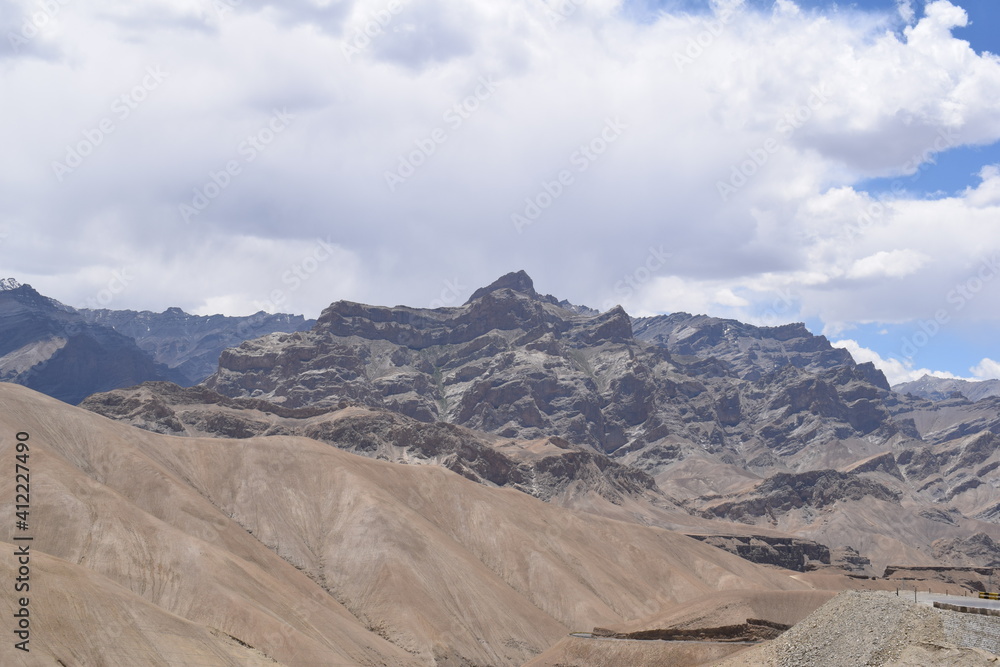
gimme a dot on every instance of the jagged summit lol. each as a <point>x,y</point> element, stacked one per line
<point>27,295</point>
<point>519,281</point>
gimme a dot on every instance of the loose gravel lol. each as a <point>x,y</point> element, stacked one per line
<point>874,629</point>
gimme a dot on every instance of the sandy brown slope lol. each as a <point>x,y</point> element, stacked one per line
<point>575,651</point>
<point>120,627</point>
<point>102,504</point>
<point>313,555</point>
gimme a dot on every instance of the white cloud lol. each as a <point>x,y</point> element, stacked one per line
<point>789,108</point>
<point>786,8</point>
<point>905,8</point>
<point>896,371</point>
<point>892,264</point>
<point>987,193</point>
<point>987,369</point>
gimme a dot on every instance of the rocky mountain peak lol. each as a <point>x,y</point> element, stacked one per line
<point>519,281</point>
<point>28,296</point>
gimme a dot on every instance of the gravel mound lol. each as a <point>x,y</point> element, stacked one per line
<point>865,628</point>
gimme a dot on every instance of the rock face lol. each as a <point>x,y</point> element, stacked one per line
<point>191,344</point>
<point>978,548</point>
<point>788,553</point>
<point>785,492</point>
<point>751,352</point>
<point>48,347</point>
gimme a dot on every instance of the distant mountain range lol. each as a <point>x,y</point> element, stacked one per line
<point>70,354</point>
<point>191,344</point>
<point>940,389</point>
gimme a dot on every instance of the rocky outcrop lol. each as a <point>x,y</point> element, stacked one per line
<point>885,463</point>
<point>848,558</point>
<point>789,553</point>
<point>784,492</point>
<point>754,630</point>
<point>979,548</point>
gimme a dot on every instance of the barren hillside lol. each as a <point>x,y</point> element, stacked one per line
<point>311,555</point>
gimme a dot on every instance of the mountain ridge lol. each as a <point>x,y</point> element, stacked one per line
<point>728,419</point>
<point>941,389</point>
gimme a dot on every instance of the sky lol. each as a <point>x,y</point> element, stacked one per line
<point>768,161</point>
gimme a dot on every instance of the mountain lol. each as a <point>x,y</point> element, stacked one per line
<point>49,347</point>
<point>518,365</point>
<point>720,429</point>
<point>191,344</point>
<point>150,549</point>
<point>940,389</point>
<point>750,352</point>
